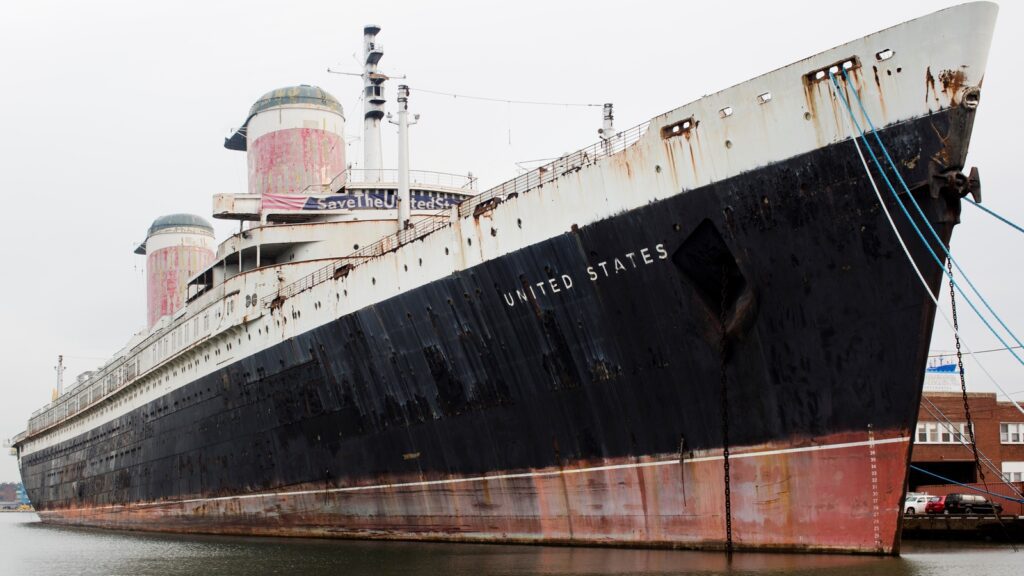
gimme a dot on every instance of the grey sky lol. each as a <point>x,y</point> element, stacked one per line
<point>114,113</point>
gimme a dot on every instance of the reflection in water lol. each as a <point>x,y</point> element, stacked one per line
<point>31,548</point>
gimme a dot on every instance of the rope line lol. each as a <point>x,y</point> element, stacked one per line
<point>920,212</point>
<point>899,202</point>
<point>941,417</point>
<point>506,100</point>
<point>993,213</point>
<point>1004,349</point>
<point>910,258</point>
<point>969,487</point>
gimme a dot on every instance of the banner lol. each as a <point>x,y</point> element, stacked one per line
<point>360,200</point>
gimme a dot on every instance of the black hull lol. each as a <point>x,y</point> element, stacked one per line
<point>826,332</point>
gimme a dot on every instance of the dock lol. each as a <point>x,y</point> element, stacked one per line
<point>963,527</point>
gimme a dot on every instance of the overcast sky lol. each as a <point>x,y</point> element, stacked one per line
<point>114,113</point>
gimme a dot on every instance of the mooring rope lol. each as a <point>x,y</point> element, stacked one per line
<point>906,250</point>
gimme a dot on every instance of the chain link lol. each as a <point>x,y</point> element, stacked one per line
<point>967,407</point>
<point>960,367</point>
<point>725,414</point>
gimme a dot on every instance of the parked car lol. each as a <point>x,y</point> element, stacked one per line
<point>915,503</point>
<point>936,505</point>
<point>970,504</point>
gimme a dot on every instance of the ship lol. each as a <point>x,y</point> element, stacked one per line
<point>699,332</point>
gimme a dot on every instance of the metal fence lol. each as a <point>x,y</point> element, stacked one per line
<point>95,388</point>
<point>340,267</point>
<point>520,185</point>
<point>553,170</point>
<point>390,176</point>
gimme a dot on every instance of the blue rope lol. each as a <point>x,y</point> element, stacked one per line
<point>924,218</point>
<point>1005,221</point>
<point>948,481</point>
<point>917,229</point>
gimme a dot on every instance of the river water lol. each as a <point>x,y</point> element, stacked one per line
<point>30,548</point>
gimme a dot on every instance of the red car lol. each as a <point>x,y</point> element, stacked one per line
<point>935,505</point>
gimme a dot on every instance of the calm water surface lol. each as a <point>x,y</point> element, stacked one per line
<point>31,549</point>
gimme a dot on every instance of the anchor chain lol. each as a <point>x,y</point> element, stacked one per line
<point>725,414</point>
<point>967,407</point>
<point>960,367</point>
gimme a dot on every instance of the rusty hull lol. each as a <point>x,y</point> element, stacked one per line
<point>839,493</point>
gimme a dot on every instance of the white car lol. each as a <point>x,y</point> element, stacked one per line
<point>915,503</point>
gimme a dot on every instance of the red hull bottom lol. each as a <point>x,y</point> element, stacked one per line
<point>836,493</point>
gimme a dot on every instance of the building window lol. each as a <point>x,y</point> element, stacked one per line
<point>942,433</point>
<point>1013,471</point>
<point>1011,432</point>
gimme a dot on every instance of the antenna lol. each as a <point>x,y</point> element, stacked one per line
<point>404,196</point>
<point>60,376</point>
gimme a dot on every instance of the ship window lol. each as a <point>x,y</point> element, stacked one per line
<point>884,55</point>
<point>679,128</point>
<point>764,98</point>
<point>725,112</point>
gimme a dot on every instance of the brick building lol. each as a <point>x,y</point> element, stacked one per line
<point>942,443</point>
<point>8,492</point>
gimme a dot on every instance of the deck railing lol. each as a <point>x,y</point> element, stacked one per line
<point>522,184</point>
<point>465,182</point>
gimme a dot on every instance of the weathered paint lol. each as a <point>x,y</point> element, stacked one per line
<point>589,375</point>
<point>813,496</point>
<point>290,160</point>
<point>413,365</point>
<point>173,256</point>
<point>294,144</point>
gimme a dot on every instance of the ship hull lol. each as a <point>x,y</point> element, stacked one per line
<point>572,391</point>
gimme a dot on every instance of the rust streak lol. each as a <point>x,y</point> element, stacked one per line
<point>929,82</point>
<point>952,81</point>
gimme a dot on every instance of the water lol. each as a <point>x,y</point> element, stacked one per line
<point>30,548</point>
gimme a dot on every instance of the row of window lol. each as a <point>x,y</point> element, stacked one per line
<point>942,433</point>
<point>956,433</point>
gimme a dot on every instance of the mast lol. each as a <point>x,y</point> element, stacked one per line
<point>404,195</point>
<point>607,130</point>
<point>608,126</point>
<point>373,104</point>
<point>60,377</point>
